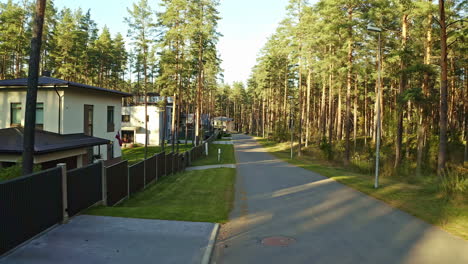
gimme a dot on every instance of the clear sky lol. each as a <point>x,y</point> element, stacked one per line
<point>245,24</point>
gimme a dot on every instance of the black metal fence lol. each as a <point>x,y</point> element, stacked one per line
<point>28,206</point>
<point>33,203</point>
<point>136,174</point>
<point>161,162</point>
<point>84,187</point>
<point>168,164</point>
<point>150,169</point>
<point>117,182</point>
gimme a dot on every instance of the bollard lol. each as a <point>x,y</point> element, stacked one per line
<point>219,155</point>
<point>63,167</point>
<point>206,148</point>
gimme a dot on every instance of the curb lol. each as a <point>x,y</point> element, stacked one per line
<point>209,248</point>
<point>209,167</point>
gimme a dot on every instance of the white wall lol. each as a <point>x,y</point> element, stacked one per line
<point>73,115</point>
<point>46,96</point>
<point>137,119</point>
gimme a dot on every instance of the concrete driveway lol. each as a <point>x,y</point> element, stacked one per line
<point>113,240</point>
<point>286,214</point>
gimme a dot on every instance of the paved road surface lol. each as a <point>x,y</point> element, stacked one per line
<point>90,239</point>
<point>330,222</point>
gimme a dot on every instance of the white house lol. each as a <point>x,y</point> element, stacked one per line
<point>224,123</point>
<point>66,108</point>
<point>133,120</point>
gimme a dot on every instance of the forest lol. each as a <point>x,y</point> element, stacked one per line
<point>169,48</point>
<point>321,74</point>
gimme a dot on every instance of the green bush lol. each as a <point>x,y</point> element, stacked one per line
<point>326,148</point>
<point>454,181</point>
<point>10,172</point>
<point>14,171</point>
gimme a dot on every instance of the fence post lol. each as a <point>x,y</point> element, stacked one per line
<point>103,182</point>
<point>144,173</point>
<point>63,168</point>
<point>128,182</point>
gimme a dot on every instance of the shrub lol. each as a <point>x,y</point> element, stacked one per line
<point>454,181</point>
<point>14,171</point>
<point>326,148</point>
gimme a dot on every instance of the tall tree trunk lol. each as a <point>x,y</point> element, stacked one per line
<point>355,120</point>
<point>365,130</point>
<point>401,89</point>
<point>199,93</point>
<point>323,114</point>
<point>301,114</point>
<point>348,87</point>
<point>339,122</point>
<point>33,79</point>
<point>145,52</point>
<point>309,76</point>
<point>425,87</point>
<point>330,107</point>
<point>442,155</point>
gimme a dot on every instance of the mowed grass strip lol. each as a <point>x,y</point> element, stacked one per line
<point>197,196</point>
<point>134,155</point>
<point>422,200</point>
<point>227,155</point>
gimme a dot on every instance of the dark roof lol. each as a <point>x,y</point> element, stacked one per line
<point>11,141</point>
<point>49,81</point>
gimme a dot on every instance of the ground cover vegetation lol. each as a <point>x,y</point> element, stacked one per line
<point>226,157</point>
<point>137,154</point>
<point>197,196</point>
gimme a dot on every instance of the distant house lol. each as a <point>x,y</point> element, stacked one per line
<point>133,119</point>
<point>224,123</point>
<point>67,108</point>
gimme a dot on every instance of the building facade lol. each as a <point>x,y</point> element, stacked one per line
<point>159,120</point>
<point>65,108</point>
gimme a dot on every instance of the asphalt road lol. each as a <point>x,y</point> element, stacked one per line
<point>89,239</point>
<point>329,222</point>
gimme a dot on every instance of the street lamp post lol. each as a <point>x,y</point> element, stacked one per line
<point>291,119</point>
<point>373,28</point>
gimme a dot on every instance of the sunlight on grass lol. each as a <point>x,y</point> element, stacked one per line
<point>134,155</point>
<point>197,196</point>
<point>422,200</point>
<point>227,155</point>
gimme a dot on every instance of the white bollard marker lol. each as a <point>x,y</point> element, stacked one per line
<point>219,155</point>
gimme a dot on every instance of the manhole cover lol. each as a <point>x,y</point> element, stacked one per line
<point>278,241</point>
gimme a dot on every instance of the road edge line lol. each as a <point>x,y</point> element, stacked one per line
<point>209,248</point>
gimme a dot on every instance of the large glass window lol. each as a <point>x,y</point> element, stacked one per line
<point>40,115</point>
<point>110,119</point>
<point>15,110</point>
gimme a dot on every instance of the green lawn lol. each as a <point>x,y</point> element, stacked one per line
<point>422,199</point>
<point>134,155</point>
<point>227,155</point>
<point>198,196</point>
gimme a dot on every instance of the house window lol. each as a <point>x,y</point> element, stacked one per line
<point>40,116</point>
<point>110,119</point>
<point>125,118</point>
<point>15,110</point>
